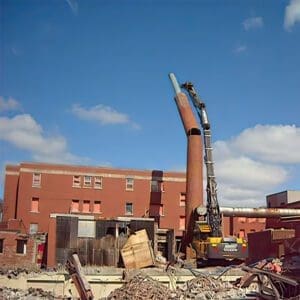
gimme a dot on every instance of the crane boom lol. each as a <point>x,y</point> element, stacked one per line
<point>212,205</point>
<point>208,241</point>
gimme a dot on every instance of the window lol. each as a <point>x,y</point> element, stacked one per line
<point>97,207</point>
<point>182,223</point>
<point>35,204</point>
<point>86,228</point>
<point>129,184</point>
<point>21,246</point>
<point>86,206</point>
<point>182,199</point>
<point>33,228</point>
<point>1,245</point>
<point>75,206</point>
<point>157,186</point>
<point>36,179</point>
<point>87,181</point>
<point>129,208</point>
<point>76,181</point>
<point>98,182</point>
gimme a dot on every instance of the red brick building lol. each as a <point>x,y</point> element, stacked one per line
<point>19,249</point>
<point>34,191</point>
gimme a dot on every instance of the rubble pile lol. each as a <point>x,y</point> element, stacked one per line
<point>202,287</point>
<point>16,272</point>
<point>141,287</point>
<point>31,293</point>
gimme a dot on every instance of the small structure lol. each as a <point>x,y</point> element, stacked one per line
<point>96,241</point>
<point>19,249</point>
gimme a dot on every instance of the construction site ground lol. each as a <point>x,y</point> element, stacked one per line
<point>167,282</point>
<point>21,284</point>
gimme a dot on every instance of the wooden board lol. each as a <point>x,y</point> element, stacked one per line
<point>137,252</point>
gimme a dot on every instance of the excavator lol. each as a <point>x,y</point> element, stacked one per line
<point>206,239</point>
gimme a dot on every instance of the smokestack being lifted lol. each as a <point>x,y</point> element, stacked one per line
<point>194,175</point>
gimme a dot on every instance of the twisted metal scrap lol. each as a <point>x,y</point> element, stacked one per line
<point>141,287</point>
<point>204,287</point>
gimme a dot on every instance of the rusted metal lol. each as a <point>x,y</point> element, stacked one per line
<point>257,212</point>
<point>201,287</point>
<point>194,173</point>
<point>74,268</point>
<point>270,285</point>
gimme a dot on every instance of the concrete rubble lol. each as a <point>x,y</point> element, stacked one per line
<point>30,294</point>
<point>168,282</point>
<point>203,287</point>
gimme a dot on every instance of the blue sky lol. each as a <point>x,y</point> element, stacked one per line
<point>86,82</point>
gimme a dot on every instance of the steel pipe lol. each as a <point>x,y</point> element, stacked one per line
<point>257,212</point>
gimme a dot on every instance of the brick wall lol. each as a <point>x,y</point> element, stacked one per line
<point>9,256</point>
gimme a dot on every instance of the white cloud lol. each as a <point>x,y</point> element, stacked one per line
<point>255,163</point>
<point>105,115</point>
<point>248,173</point>
<point>23,132</point>
<point>273,143</point>
<point>292,14</point>
<point>240,48</point>
<point>9,104</point>
<point>253,23</point>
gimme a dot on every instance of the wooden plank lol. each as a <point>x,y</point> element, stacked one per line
<point>137,252</point>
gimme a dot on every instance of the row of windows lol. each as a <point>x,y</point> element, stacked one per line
<point>88,181</point>
<point>96,182</point>
<point>20,247</point>
<point>87,206</point>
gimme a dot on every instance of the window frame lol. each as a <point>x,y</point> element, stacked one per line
<point>36,181</point>
<point>24,251</point>
<point>72,207</point>
<point>98,180</point>
<point>94,204</point>
<point>37,228</point>
<point>84,205</point>
<point>75,183</point>
<point>37,200</point>
<point>87,183</point>
<point>129,186</point>
<point>182,199</point>
<point>127,212</point>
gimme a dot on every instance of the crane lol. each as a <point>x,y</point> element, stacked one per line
<point>212,206</point>
<point>204,233</point>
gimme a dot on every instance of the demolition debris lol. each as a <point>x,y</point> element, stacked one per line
<point>202,287</point>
